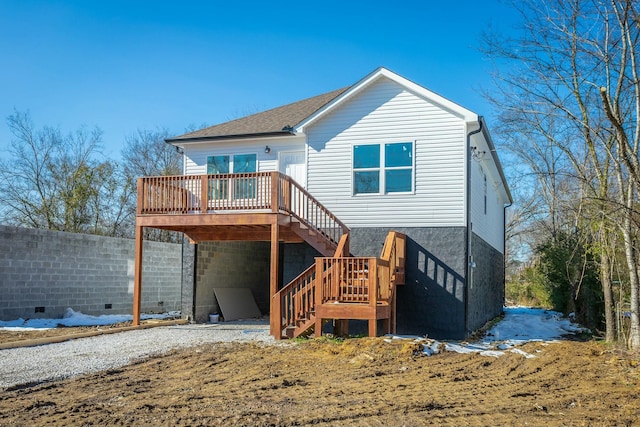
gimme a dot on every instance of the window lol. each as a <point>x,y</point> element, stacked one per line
<point>398,163</point>
<point>384,168</point>
<point>243,187</point>
<point>366,169</point>
<point>218,188</point>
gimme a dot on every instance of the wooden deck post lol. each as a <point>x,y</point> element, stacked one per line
<point>275,315</point>
<point>319,296</point>
<point>392,321</point>
<point>137,275</point>
<point>275,193</point>
<point>204,193</point>
<point>374,282</point>
<point>342,328</point>
<point>140,204</point>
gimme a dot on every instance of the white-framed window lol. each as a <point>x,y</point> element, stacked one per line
<point>243,188</point>
<point>383,168</point>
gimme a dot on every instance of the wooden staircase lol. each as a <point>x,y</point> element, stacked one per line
<point>343,287</point>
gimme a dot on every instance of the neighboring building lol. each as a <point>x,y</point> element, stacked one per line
<point>383,154</point>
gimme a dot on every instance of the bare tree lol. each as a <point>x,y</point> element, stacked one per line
<point>56,181</point>
<point>147,154</point>
<point>569,84</point>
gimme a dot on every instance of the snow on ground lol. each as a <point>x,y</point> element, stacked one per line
<point>76,318</point>
<point>519,325</point>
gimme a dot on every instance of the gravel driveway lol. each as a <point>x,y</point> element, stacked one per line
<point>32,365</point>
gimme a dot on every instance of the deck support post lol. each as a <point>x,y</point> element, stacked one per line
<point>342,328</point>
<point>137,275</point>
<point>318,297</point>
<point>374,283</point>
<point>373,327</point>
<point>275,316</point>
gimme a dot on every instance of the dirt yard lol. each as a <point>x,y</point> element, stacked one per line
<point>355,382</point>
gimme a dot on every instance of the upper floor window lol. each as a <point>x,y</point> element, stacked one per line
<point>383,168</point>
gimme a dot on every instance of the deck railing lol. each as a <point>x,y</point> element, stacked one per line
<point>341,279</point>
<point>272,191</point>
<point>363,279</point>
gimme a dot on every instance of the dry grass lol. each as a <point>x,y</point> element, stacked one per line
<point>352,382</point>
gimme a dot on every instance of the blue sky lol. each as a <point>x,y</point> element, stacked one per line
<point>128,65</point>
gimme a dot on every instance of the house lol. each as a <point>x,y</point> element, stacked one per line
<point>300,200</point>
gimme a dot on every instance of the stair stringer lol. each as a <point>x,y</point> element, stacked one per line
<point>315,239</point>
<point>303,321</point>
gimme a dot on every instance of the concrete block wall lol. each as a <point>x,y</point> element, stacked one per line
<point>50,270</point>
<point>432,300</point>
<point>296,258</point>
<point>486,284</point>
<point>188,278</point>
<point>229,265</point>
<point>238,264</point>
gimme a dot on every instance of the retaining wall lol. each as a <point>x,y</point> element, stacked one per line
<point>43,272</point>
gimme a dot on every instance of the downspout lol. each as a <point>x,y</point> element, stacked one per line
<point>492,149</point>
<point>467,249</point>
<point>504,252</point>
<point>195,283</point>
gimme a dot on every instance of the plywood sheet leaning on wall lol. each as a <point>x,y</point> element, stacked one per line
<point>237,303</point>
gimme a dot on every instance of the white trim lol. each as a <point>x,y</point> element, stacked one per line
<point>235,140</point>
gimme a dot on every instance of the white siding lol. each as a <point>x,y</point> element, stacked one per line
<point>386,112</point>
<point>490,225</point>
<point>196,154</point>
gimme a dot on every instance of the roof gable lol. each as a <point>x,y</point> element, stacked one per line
<point>277,121</point>
<point>379,73</point>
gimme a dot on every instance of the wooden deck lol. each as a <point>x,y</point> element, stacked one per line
<point>235,207</point>
<point>270,206</point>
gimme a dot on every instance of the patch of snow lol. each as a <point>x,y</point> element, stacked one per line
<point>431,348</point>
<point>522,353</point>
<point>492,353</point>
<point>519,325</point>
<point>76,318</point>
<point>459,348</point>
<point>525,324</point>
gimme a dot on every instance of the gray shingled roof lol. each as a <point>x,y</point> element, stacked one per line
<point>275,121</point>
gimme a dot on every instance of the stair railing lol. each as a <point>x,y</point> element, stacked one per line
<point>363,279</point>
<point>297,201</point>
<point>296,300</point>
<point>393,252</point>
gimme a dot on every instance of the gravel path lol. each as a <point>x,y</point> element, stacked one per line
<point>33,365</point>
